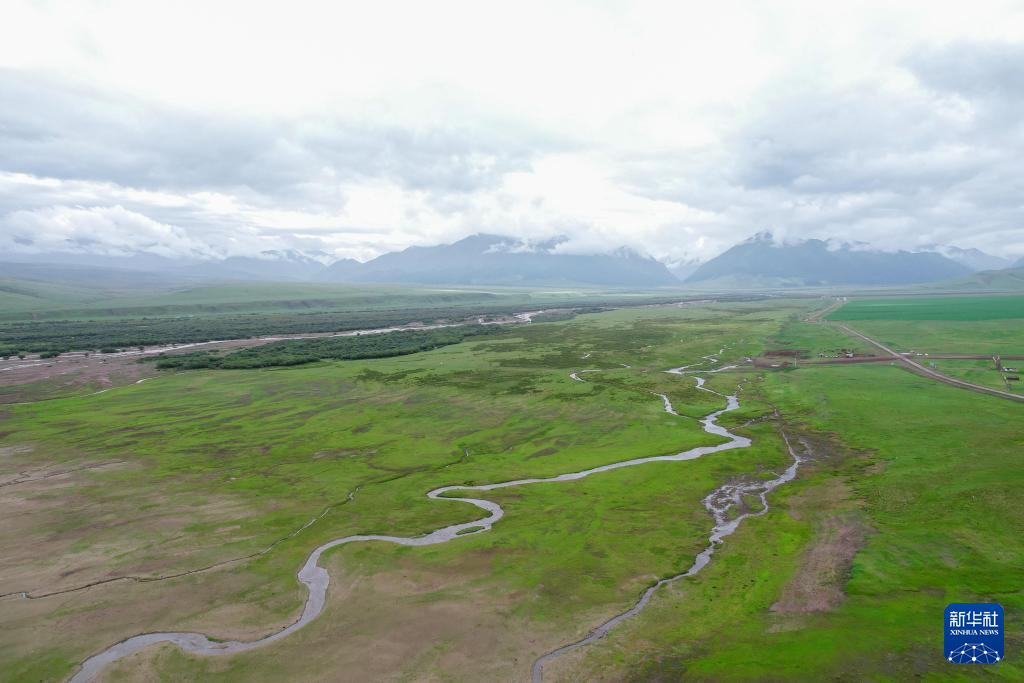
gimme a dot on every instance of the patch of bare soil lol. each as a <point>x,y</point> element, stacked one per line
<point>17,449</point>
<point>415,623</point>
<point>839,533</point>
<point>67,375</point>
<point>345,453</point>
<point>74,370</point>
<point>819,583</point>
<point>82,533</point>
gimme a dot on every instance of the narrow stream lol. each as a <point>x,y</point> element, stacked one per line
<point>719,502</point>
<point>316,578</point>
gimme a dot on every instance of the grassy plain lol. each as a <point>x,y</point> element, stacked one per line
<point>844,578</point>
<point>43,300</point>
<point>947,336</point>
<point>981,372</point>
<point>33,300</point>
<point>217,465</point>
<point>919,477</point>
<point>993,307</point>
<point>949,324</point>
<point>53,320</point>
<point>20,297</point>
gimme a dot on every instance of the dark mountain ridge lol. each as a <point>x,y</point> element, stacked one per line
<point>815,262</point>
<point>483,259</point>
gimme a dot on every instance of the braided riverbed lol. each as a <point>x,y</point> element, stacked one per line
<point>316,578</point>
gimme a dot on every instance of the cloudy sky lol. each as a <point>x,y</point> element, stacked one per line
<point>209,129</point>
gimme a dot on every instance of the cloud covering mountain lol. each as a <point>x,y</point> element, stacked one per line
<point>672,129</point>
<point>763,260</point>
<point>501,260</point>
<point>975,259</point>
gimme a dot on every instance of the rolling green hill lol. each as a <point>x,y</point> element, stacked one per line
<point>1008,279</point>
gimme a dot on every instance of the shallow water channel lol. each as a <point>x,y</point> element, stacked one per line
<point>316,578</point>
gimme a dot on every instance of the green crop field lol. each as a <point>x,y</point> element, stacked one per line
<point>933,308</point>
<point>208,488</point>
<point>986,337</point>
<point>962,324</point>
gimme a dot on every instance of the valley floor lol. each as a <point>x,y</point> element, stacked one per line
<point>188,503</point>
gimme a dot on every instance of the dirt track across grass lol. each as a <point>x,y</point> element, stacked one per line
<point>916,367</point>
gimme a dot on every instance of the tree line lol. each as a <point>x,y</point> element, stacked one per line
<point>302,351</point>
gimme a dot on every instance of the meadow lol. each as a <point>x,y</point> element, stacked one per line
<point>981,372</point>
<point>23,299</point>
<point>986,337</point>
<point>40,318</point>
<point>213,465</point>
<point>992,307</point>
<point>844,577</point>
<point>950,324</point>
<point>311,350</point>
<point>906,469</point>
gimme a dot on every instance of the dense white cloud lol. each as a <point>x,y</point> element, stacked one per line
<point>206,129</point>
<point>107,231</point>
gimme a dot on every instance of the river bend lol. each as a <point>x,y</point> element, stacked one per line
<point>316,579</point>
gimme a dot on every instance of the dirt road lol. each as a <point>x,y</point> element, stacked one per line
<point>928,372</point>
<point>888,359</point>
<point>819,315</point>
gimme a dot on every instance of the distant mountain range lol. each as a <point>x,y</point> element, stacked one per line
<point>1005,279</point>
<point>975,259</point>
<point>499,260</point>
<point>269,266</point>
<point>476,260</point>
<point>684,268</point>
<point>762,261</point>
<point>485,259</point>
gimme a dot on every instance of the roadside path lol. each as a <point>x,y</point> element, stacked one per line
<point>928,372</point>
<point>888,359</point>
<point>817,316</point>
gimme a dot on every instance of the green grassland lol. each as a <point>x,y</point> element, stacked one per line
<point>299,351</point>
<point>218,464</point>
<point>981,372</point>
<point>948,336</point>
<point>250,297</point>
<point>22,299</point>
<point>19,297</point>
<point>960,324</point>
<point>1005,280</point>
<point>917,465</point>
<point>933,308</point>
<point>38,317</point>
<point>55,321</point>
<point>272,448</point>
<point>815,339</point>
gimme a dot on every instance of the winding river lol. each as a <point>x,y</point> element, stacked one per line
<point>316,578</point>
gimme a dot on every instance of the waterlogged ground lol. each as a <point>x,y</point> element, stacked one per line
<point>226,470</point>
<point>881,532</point>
